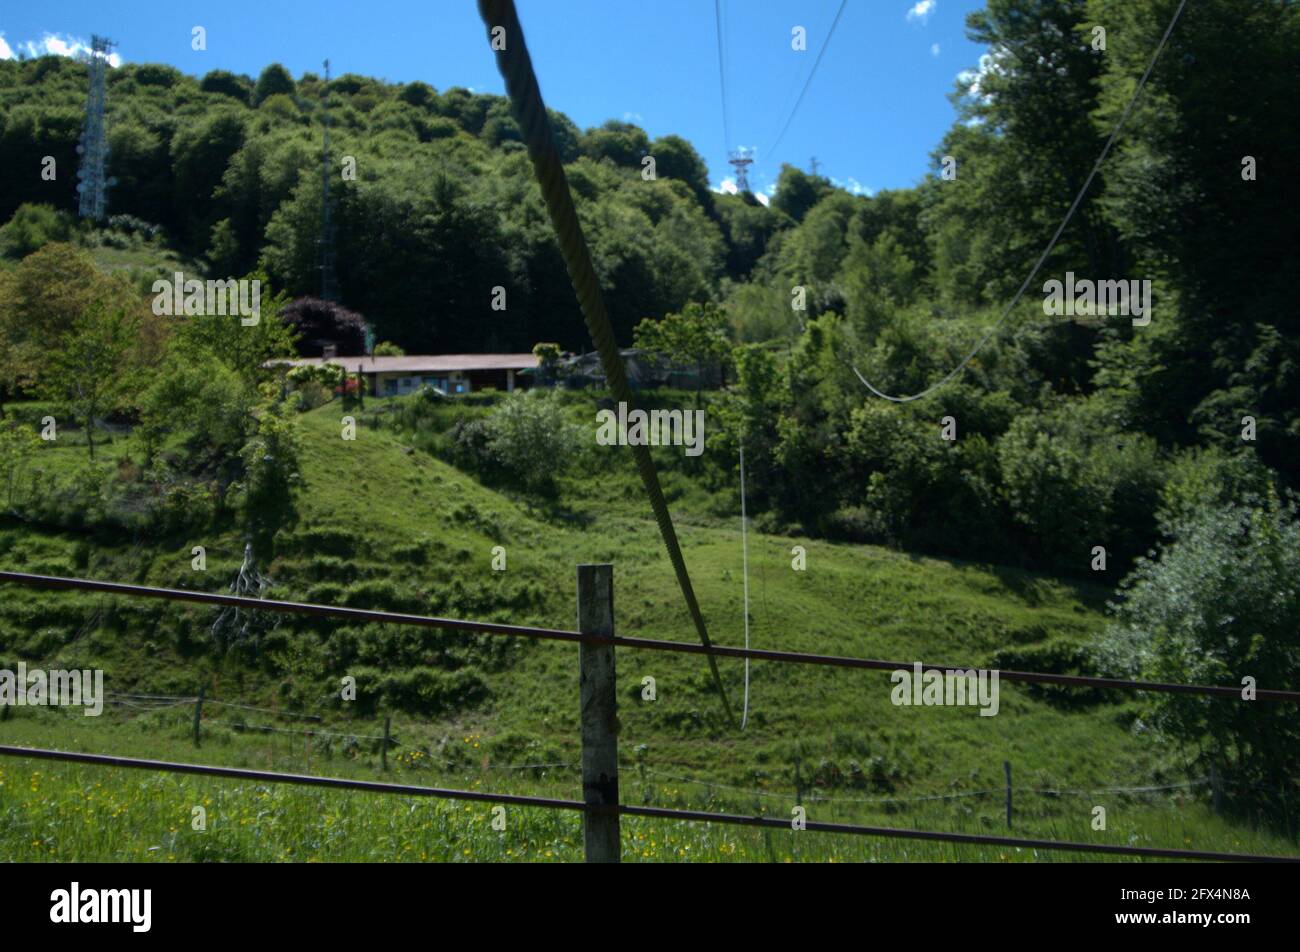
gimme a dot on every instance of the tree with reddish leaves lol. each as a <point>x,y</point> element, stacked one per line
<point>321,323</point>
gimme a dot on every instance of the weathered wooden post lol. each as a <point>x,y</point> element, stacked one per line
<point>198,711</point>
<point>1006,767</point>
<point>383,751</point>
<point>599,715</point>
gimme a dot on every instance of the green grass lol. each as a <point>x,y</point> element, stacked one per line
<point>62,812</point>
<point>381,524</point>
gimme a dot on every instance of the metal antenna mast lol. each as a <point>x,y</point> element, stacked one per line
<point>328,288</point>
<point>741,160</point>
<point>93,148</point>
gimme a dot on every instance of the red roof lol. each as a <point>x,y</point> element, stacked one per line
<point>431,363</point>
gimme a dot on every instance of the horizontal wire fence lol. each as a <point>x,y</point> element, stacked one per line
<point>619,641</point>
<point>170,702</point>
<point>300,608</point>
<point>554,803</point>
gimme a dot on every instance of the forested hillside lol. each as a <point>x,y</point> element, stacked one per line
<point>1060,422</point>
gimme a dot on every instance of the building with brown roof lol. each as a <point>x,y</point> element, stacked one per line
<point>450,373</point>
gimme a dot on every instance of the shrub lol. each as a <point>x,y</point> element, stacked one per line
<point>1220,603</point>
<point>527,433</point>
<point>1074,481</point>
<point>33,226</point>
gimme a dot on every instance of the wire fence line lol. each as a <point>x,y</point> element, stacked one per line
<point>242,726</point>
<point>649,644</point>
<point>813,796</point>
<point>608,809</point>
<point>956,795</point>
<point>264,710</point>
<point>725,819</point>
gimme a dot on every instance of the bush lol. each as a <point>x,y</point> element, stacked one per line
<point>32,227</point>
<point>1075,481</point>
<point>920,490</point>
<point>527,433</point>
<point>310,395</point>
<point>1219,604</point>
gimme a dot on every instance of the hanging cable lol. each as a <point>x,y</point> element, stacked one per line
<point>1050,245</point>
<point>808,82</point>
<point>529,110</point>
<point>744,555</point>
<point>722,76</point>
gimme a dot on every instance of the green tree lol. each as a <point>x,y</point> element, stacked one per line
<point>273,81</point>
<point>41,300</point>
<point>89,370</point>
<point>797,192</point>
<point>245,349</point>
<point>696,334</point>
<point>270,461</point>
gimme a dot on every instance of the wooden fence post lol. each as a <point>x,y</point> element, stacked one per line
<point>198,711</point>
<point>599,716</point>
<point>1006,767</point>
<point>383,751</point>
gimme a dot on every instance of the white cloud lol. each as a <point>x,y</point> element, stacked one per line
<point>934,49</point>
<point>922,10</point>
<point>853,186</point>
<point>726,187</point>
<point>762,199</point>
<point>51,44</point>
<point>6,51</point>
<point>633,117</point>
<point>973,79</point>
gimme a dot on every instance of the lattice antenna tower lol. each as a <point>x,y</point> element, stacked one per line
<point>741,159</point>
<point>328,284</point>
<point>93,148</point>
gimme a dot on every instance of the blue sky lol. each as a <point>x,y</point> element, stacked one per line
<point>876,107</point>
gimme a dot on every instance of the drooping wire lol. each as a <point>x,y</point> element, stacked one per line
<point>722,75</point>
<point>808,82</point>
<point>988,335</point>
<point>744,555</point>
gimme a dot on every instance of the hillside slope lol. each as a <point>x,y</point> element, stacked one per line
<point>380,524</point>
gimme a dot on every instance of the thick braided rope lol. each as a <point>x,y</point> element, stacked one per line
<point>530,113</point>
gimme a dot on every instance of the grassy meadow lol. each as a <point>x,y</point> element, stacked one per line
<point>381,523</point>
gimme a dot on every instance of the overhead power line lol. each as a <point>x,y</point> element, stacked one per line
<point>722,75</point>
<point>988,335</point>
<point>807,83</point>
